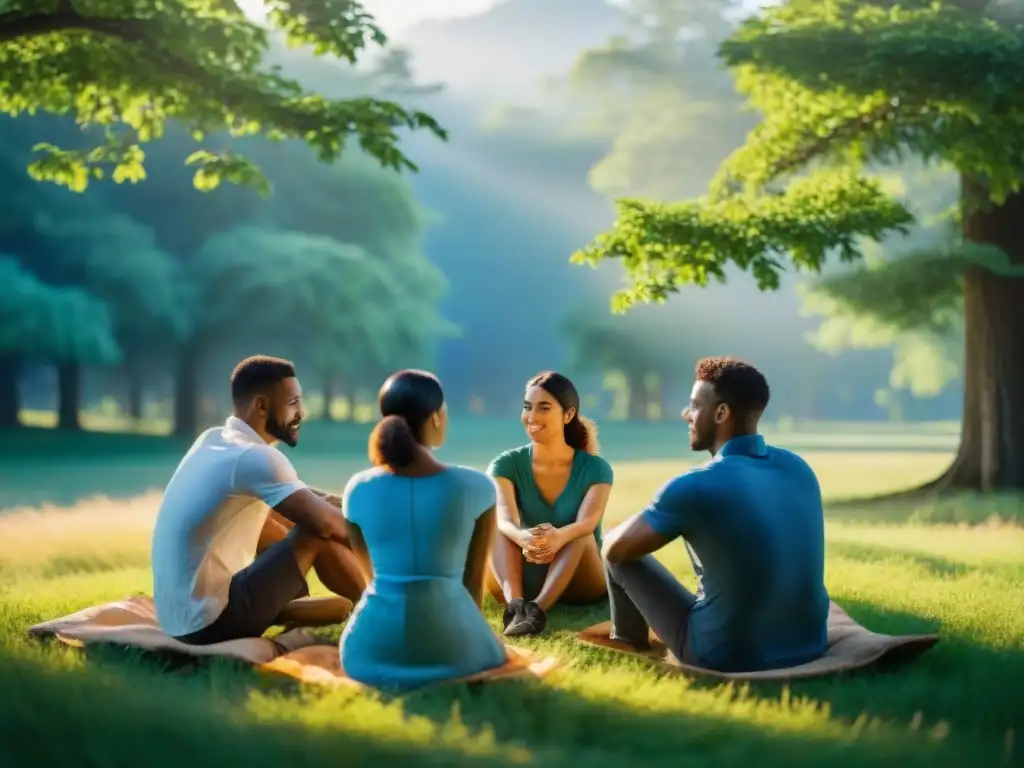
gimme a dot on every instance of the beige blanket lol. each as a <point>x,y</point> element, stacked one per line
<point>850,647</point>
<point>295,653</point>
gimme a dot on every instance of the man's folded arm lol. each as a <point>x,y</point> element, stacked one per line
<point>671,513</point>
<point>313,514</point>
<point>266,473</point>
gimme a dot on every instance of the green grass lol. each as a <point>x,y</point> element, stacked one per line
<point>894,569</point>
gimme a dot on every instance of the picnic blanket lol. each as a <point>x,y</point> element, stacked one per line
<point>850,647</point>
<point>294,653</point>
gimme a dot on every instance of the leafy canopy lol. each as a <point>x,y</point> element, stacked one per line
<point>123,68</point>
<point>839,84</point>
<point>49,322</point>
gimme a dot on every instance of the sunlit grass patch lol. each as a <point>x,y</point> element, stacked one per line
<point>959,704</point>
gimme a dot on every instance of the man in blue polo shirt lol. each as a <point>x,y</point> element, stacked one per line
<point>752,521</point>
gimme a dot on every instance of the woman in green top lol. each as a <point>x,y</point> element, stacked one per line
<point>552,494</point>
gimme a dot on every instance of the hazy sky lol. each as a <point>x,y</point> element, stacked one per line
<point>397,15</point>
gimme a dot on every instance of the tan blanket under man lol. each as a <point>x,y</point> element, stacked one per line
<point>850,647</point>
<point>294,653</point>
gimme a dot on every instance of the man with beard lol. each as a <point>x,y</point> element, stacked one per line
<point>237,531</point>
<point>753,524</point>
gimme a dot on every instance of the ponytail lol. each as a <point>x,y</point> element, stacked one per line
<point>392,443</point>
<point>581,434</point>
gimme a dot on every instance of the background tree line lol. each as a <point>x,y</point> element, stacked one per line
<point>537,153</point>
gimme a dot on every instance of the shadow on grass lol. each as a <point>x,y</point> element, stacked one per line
<point>547,719</point>
<point>123,714</point>
<point>932,564</point>
<point>930,509</point>
<point>971,687</point>
<point>133,718</point>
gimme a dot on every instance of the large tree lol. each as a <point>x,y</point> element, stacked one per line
<point>124,68</point>
<point>336,306</point>
<point>841,84</point>
<point>41,322</point>
<point>116,260</point>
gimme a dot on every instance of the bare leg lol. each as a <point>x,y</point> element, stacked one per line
<point>338,567</point>
<point>576,574</point>
<point>315,612</point>
<point>505,580</point>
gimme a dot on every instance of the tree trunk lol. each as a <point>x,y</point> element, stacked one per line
<point>136,391</point>
<point>10,399</point>
<point>991,453</point>
<point>638,396</point>
<point>186,393</point>
<point>328,395</point>
<point>69,397</point>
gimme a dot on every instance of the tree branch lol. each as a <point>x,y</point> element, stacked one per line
<point>15,25</point>
<point>846,131</point>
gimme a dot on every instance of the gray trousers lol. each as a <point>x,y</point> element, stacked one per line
<point>643,594</point>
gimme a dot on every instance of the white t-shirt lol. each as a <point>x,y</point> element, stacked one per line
<point>210,521</point>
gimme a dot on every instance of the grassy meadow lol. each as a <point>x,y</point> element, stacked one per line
<point>75,519</point>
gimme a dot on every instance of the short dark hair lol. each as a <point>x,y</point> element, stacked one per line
<point>737,384</point>
<point>406,400</point>
<point>255,375</point>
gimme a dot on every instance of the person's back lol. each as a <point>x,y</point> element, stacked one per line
<point>758,538</point>
<point>417,623</point>
<point>753,524</point>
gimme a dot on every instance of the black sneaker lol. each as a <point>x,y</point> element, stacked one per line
<point>531,621</point>
<point>513,610</point>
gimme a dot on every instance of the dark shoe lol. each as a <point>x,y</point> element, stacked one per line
<point>513,610</point>
<point>637,645</point>
<point>531,621</point>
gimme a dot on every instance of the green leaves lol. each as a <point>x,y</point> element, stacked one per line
<point>841,85</point>
<point>663,247</point>
<point>213,168</point>
<point>128,67</point>
<point>51,322</point>
<point>856,82</point>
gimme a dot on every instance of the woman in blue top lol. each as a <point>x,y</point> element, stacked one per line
<point>426,529</point>
<point>552,495</point>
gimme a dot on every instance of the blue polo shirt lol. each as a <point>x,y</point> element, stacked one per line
<point>753,522</point>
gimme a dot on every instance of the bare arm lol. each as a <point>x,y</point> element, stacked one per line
<point>590,513</point>
<point>631,539</point>
<point>509,524</point>
<point>330,498</point>
<point>358,545</point>
<point>479,555</point>
<point>313,514</point>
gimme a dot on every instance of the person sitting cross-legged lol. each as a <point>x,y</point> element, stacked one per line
<point>753,525</point>
<point>237,531</point>
<point>552,495</point>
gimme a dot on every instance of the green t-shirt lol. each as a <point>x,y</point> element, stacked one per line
<point>517,467</point>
